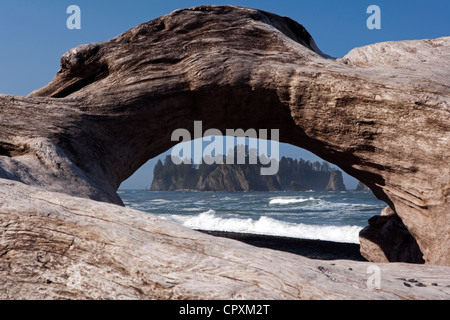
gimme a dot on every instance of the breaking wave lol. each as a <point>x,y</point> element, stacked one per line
<point>282,201</point>
<point>209,220</point>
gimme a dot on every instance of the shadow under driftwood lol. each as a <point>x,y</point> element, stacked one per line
<point>313,249</point>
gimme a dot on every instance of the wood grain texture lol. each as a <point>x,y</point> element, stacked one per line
<point>55,246</point>
<point>381,113</point>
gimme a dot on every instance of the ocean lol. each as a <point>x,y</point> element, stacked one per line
<point>316,215</point>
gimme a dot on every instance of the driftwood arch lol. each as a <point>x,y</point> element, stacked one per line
<point>113,105</point>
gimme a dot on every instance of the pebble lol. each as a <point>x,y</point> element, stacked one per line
<point>420,284</point>
<point>417,283</point>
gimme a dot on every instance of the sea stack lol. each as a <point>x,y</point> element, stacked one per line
<point>362,187</point>
<point>336,182</point>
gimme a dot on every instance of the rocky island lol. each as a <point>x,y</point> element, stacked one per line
<point>293,174</point>
<point>381,113</point>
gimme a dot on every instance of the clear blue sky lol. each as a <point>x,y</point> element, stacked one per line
<point>33,34</point>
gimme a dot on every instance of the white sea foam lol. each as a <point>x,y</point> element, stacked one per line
<point>314,204</point>
<point>159,201</point>
<point>210,221</point>
<point>290,200</point>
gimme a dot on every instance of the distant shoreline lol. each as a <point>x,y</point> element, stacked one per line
<point>313,249</point>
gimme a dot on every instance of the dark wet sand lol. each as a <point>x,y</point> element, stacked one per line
<point>314,249</point>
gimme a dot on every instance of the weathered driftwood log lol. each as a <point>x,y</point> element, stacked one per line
<point>55,246</point>
<point>381,113</point>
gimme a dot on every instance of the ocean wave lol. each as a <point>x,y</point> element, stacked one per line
<point>282,200</point>
<point>209,220</point>
<point>159,201</point>
<point>314,204</point>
